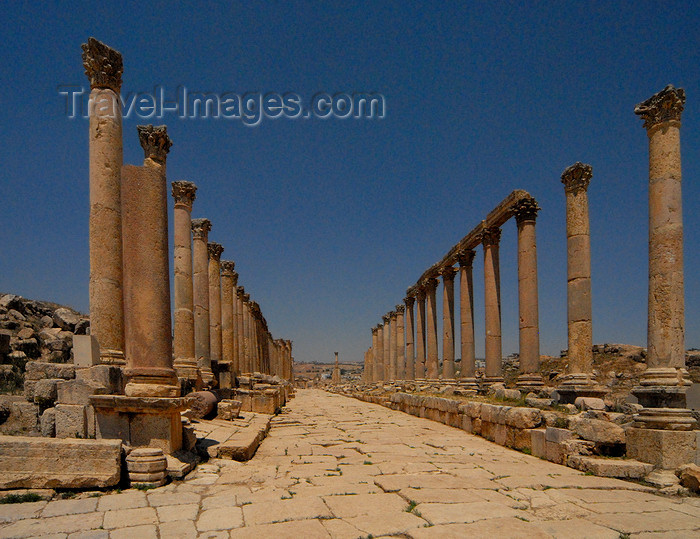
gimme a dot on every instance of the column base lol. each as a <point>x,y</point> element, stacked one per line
<point>186,369</point>
<point>468,383</point>
<point>140,421</point>
<point>665,419</point>
<point>663,387</point>
<point>112,357</point>
<point>665,449</point>
<point>208,378</point>
<point>579,385</point>
<point>529,382</point>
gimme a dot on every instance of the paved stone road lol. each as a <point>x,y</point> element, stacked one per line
<point>337,467</point>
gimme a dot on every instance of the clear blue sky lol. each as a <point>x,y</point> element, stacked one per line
<point>330,221</point>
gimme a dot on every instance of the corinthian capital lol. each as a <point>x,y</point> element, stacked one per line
<point>227,267</point>
<point>663,106</point>
<point>155,141</point>
<point>409,301</point>
<point>215,250</point>
<point>386,318</point>
<point>577,177</point>
<point>448,273</point>
<point>526,210</point>
<point>465,257</point>
<point>201,228</point>
<point>491,236</point>
<point>400,308</point>
<point>103,65</point>
<point>184,192</point>
<point>430,283</point>
<point>240,292</point>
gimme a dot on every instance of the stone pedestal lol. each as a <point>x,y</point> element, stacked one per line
<point>579,381</point>
<point>410,373</point>
<point>529,378</point>
<point>431,361</point>
<point>147,467</point>
<point>665,449</point>
<point>465,258</point>
<point>200,258</point>
<point>104,68</point>
<point>491,238</point>
<point>448,323</point>
<point>140,421</point>
<point>663,386</point>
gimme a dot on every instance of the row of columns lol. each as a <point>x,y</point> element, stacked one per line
<point>394,356</point>
<point>664,383</point>
<point>215,323</point>
<point>218,329</point>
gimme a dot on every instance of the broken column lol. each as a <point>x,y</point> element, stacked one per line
<point>200,258</point>
<point>214,270</point>
<point>183,333</point>
<point>529,378</point>
<point>491,238</point>
<point>104,67</point>
<point>228,283</point>
<point>419,365</point>
<point>431,361</point>
<point>662,387</point>
<point>465,258</point>
<point>448,322</point>
<point>410,351</point>
<point>579,381</point>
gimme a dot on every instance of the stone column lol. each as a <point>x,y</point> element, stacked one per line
<point>579,380</point>
<point>410,352</point>
<point>386,336</point>
<point>214,269</point>
<point>200,259</point>
<point>448,322</point>
<point>379,354</point>
<point>375,356</point>
<point>247,330</point>
<point>432,361</point>
<point>392,346</point>
<point>103,67</point>
<point>235,365</point>
<point>149,358</point>
<point>492,304</point>
<point>183,332</point>
<point>335,379</point>
<point>662,389</point>
<point>240,330</point>
<point>420,334</point>
<point>228,282</point>
<point>400,344</point>
<point>465,258</point>
<point>529,378</point>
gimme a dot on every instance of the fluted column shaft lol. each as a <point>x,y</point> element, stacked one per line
<point>432,361</point>
<point>410,351</point>
<point>492,303</point>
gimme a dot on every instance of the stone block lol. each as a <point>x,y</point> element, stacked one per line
<point>4,343</point>
<point>29,388</point>
<point>86,351</point>
<point>629,469</point>
<point>162,431</point>
<point>596,430</point>
<point>79,391</point>
<point>47,423</point>
<point>523,418</point>
<point>22,419</point>
<point>537,442</point>
<point>228,409</point>
<point>109,376</point>
<point>65,319</point>
<point>665,449</point>
<point>689,475</point>
<point>45,392</point>
<point>555,435</point>
<point>467,423</point>
<point>555,452</point>
<point>38,370</point>
<point>500,434</point>
<point>589,403</point>
<point>263,404</point>
<point>71,421</point>
<point>51,463</point>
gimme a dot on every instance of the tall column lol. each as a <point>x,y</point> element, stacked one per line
<point>149,359</point>
<point>228,282</point>
<point>392,346</point>
<point>240,330</point>
<point>448,322</point>
<point>432,361</point>
<point>529,378</point>
<point>379,355</point>
<point>103,67</point>
<point>214,268</point>
<point>235,364</point>
<point>200,260</point>
<point>420,334</point>
<point>400,343</point>
<point>248,329</point>
<point>410,352</point>
<point>386,336</point>
<point>465,258</point>
<point>492,302</point>
<point>663,385</point>
<point>185,363</point>
<point>375,356</point>
<point>579,380</point>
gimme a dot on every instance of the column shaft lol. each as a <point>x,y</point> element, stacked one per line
<point>432,361</point>
<point>448,323</point>
<point>410,351</point>
<point>379,354</point>
<point>466,315</point>
<point>214,270</point>
<point>200,256</point>
<point>400,344</point>
<point>420,335</point>
<point>492,304</point>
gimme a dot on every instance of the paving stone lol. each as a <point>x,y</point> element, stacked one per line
<point>45,526</point>
<point>448,513</point>
<point>181,529</point>
<point>123,500</point>
<point>511,528</point>
<point>69,507</point>
<point>223,518</point>
<point>132,517</point>
<point>297,529</point>
<point>391,524</point>
<point>157,499</point>
<point>147,531</point>
<point>577,528</point>
<point>19,511</point>
<point>364,504</point>
<point>168,513</point>
<point>90,534</point>
<point>297,508</point>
